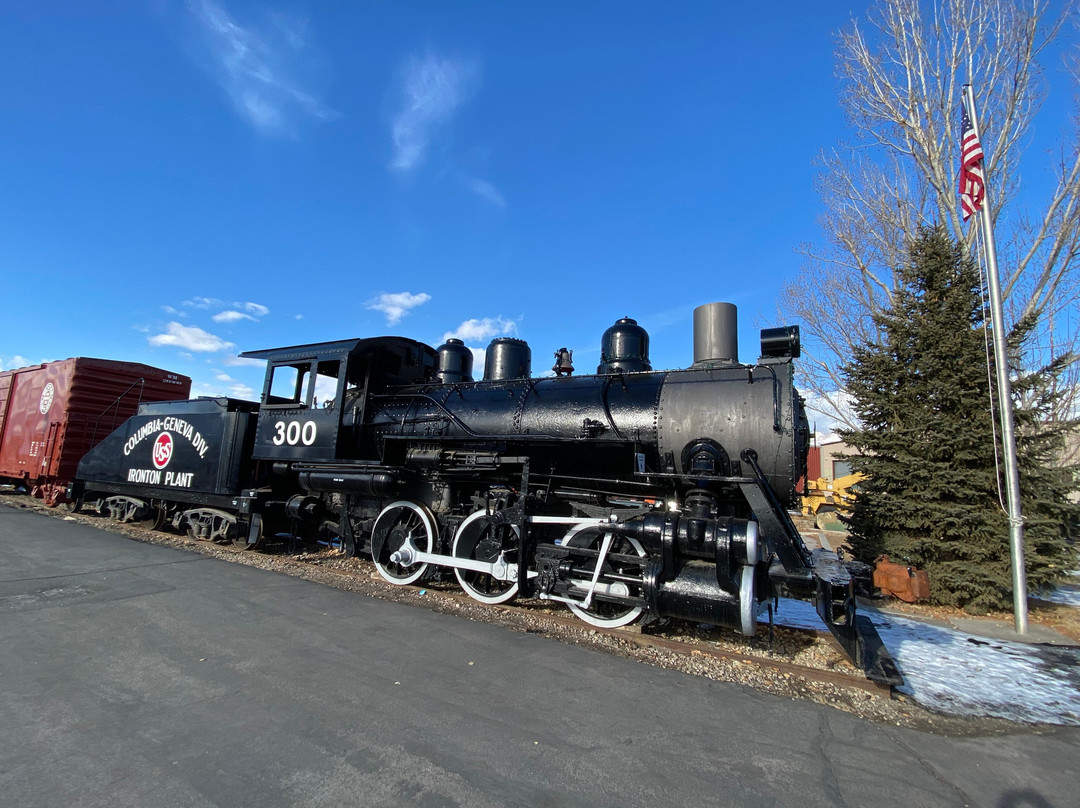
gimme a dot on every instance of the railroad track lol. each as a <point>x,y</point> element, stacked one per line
<point>641,638</point>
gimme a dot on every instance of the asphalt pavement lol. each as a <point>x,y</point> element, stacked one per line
<point>137,675</point>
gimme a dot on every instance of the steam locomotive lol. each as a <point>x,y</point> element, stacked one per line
<point>625,494</point>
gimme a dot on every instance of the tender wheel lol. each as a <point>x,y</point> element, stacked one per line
<point>402,525</point>
<point>127,510</point>
<point>153,519</point>
<point>600,613</point>
<point>208,524</point>
<point>244,533</point>
<point>73,505</point>
<point>494,541</point>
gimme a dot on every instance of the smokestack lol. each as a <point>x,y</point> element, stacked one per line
<point>716,334</point>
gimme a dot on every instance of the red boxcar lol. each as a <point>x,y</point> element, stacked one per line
<point>52,414</point>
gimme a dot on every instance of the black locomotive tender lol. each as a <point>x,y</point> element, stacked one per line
<point>625,494</point>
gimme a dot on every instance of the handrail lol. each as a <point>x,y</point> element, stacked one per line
<point>434,401</point>
<point>115,405</point>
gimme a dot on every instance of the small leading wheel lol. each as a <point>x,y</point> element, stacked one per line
<point>401,528</point>
<point>602,613</point>
<point>487,543</point>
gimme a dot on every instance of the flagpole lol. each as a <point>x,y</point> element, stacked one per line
<point>1005,406</point>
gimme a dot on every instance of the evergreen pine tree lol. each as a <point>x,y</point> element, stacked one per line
<point>1051,518</point>
<point>922,395</point>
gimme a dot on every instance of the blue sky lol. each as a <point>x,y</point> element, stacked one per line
<point>182,181</point>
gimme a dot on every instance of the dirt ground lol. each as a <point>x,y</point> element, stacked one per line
<point>767,664</point>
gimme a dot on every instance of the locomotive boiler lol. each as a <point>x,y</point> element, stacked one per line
<point>627,494</point>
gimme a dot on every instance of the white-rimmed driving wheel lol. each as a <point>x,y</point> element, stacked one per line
<point>491,544</point>
<point>604,613</point>
<point>402,527</point>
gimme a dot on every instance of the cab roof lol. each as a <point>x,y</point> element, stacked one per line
<point>337,348</point>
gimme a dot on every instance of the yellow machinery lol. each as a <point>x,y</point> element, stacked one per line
<point>824,498</point>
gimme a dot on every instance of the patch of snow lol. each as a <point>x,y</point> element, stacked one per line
<point>1069,595</point>
<point>959,674</point>
<point>798,614</point>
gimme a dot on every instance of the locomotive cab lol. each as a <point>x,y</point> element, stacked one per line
<point>314,395</point>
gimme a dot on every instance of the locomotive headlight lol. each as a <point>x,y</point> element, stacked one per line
<point>781,342</point>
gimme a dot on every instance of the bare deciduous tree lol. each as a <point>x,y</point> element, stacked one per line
<point>902,71</point>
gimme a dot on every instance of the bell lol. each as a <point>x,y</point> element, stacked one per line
<point>563,362</point>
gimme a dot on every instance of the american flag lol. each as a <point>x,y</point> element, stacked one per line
<point>971,172</point>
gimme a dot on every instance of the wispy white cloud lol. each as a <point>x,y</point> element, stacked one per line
<point>432,90</point>
<point>479,330</point>
<point>485,190</point>
<point>239,310</point>
<point>190,338</point>
<point>230,316</point>
<point>396,305</point>
<point>16,361</point>
<point>218,388</point>
<point>257,309</point>
<point>203,303</point>
<point>243,362</point>
<point>255,66</point>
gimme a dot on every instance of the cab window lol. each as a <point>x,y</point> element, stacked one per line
<point>326,384</point>
<point>287,384</point>
<point>304,384</point>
